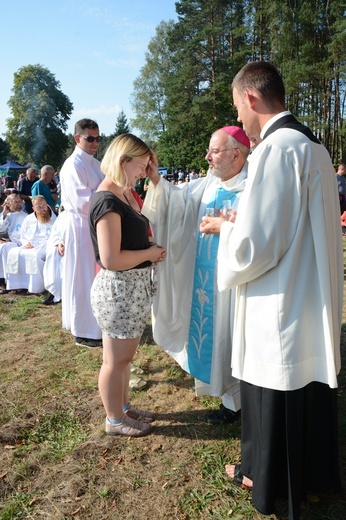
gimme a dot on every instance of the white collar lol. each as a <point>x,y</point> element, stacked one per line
<point>272,120</point>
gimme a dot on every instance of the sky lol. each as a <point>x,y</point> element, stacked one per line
<point>95,49</point>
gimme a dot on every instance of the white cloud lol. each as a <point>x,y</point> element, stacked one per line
<point>97,111</point>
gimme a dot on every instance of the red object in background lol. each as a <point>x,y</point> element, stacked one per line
<point>140,204</point>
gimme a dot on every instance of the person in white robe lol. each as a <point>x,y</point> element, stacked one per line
<point>11,220</point>
<point>190,319</point>
<point>284,256</point>
<point>80,176</point>
<point>24,264</point>
<point>55,257</point>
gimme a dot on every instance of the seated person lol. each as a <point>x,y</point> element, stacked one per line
<point>41,187</point>
<point>11,220</point>
<point>24,266</point>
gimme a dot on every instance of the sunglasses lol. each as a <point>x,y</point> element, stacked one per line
<point>91,139</point>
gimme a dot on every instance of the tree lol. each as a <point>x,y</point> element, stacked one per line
<point>148,99</point>
<point>4,151</point>
<point>40,112</point>
<point>307,42</point>
<point>183,92</point>
<point>121,126</point>
<point>207,45</point>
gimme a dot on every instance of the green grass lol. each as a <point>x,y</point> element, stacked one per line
<point>55,435</point>
<point>25,308</point>
<point>57,462</point>
<point>17,507</point>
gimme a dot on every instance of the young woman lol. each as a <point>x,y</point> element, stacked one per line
<point>122,290</point>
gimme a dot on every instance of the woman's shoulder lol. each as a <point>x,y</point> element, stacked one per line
<point>104,201</point>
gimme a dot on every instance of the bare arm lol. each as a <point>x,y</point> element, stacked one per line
<point>112,256</point>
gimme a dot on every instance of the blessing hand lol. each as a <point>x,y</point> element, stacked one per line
<point>152,171</point>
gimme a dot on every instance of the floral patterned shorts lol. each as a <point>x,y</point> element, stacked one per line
<point>121,301</point>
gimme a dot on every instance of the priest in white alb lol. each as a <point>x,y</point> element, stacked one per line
<point>80,176</point>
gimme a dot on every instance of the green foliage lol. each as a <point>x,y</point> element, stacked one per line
<point>149,99</point>
<point>183,92</point>
<point>40,112</point>
<point>105,142</point>
<point>4,151</point>
<point>121,126</point>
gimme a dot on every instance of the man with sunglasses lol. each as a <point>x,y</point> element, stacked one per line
<point>80,176</point>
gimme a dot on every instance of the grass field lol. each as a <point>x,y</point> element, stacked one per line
<point>57,463</point>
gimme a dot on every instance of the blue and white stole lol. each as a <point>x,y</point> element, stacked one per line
<point>201,331</point>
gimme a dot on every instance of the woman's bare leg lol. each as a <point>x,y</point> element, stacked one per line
<point>115,374</point>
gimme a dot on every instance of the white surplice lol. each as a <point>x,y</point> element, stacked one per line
<point>12,224</point>
<point>24,266</point>
<point>80,176</point>
<point>284,254</point>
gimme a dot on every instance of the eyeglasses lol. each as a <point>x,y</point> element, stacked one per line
<point>91,139</point>
<point>215,152</point>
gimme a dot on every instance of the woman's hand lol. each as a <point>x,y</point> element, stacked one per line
<point>157,253</point>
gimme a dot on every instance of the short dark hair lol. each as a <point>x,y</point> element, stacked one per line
<point>263,77</point>
<point>82,124</point>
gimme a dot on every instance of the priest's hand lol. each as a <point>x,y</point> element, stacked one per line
<point>152,169</point>
<point>61,248</point>
<point>211,225</point>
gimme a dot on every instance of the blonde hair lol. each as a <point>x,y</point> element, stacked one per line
<point>122,149</point>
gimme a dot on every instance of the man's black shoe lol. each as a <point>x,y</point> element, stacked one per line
<point>49,299</point>
<point>87,342</point>
<point>222,416</point>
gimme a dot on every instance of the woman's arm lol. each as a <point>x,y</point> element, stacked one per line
<point>112,256</point>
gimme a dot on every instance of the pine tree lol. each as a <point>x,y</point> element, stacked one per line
<point>183,93</point>
<point>121,126</point>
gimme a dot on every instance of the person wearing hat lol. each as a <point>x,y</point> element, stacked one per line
<point>191,319</point>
